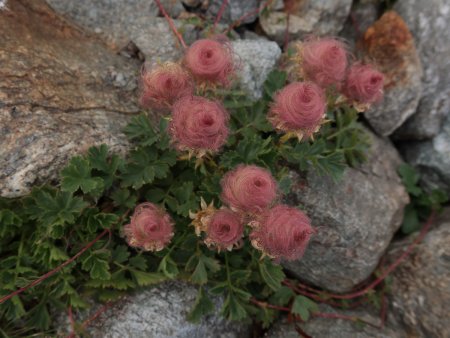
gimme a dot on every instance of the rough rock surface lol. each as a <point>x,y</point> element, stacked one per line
<point>432,158</point>
<point>339,328</point>
<point>389,44</point>
<point>62,91</point>
<point>429,24</point>
<point>319,17</point>
<point>235,10</point>
<point>122,21</point>
<point>362,15</point>
<point>257,58</point>
<point>160,312</point>
<point>355,219</point>
<point>421,285</point>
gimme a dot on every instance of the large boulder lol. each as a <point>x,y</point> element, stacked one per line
<point>318,17</point>
<point>62,91</point>
<point>355,218</point>
<point>429,24</point>
<point>389,43</point>
<point>420,286</point>
<point>159,312</point>
<point>254,70</point>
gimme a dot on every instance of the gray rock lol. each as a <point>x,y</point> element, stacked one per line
<point>355,219</point>
<point>339,328</point>
<point>429,24</point>
<point>2,4</point>
<point>234,10</point>
<point>257,59</point>
<point>173,7</point>
<point>431,158</point>
<point>122,21</point>
<point>318,17</point>
<point>420,295</point>
<point>362,15</point>
<point>62,92</point>
<point>158,313</point>
<point>397,58</point>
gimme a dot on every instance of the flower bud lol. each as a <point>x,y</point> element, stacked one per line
<point>150,228</point>
<point>163,85</point>
<point>298,108</point>
<point>283,232</point>
<point>211,60</point>
<point>198,125</point>
<point>248,189</point>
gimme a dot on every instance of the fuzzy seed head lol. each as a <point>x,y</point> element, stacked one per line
<point>364,84</point>
<point>225,230</point>
<point>150,228</point>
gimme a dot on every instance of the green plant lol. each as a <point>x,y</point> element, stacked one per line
<point>98,190</point>
<point>422,202</point>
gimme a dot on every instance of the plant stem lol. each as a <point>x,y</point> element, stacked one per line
<point>171,24</point>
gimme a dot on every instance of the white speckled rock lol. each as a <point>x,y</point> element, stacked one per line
<point>319,17</point>
<point>159,312</point>
<point>234,10</point>
<point>355,219</point>
<point>257,59</point>
<point>429,22</point>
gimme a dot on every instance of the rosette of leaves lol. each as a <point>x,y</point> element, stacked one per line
<point>86,211</point>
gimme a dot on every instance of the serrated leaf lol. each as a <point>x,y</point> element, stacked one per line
<point>410,178</point>
<point>303,306</point>
<point>275,81</point>
<point>271,273</point>
<point>120,254</point>
<point>147,278</point>
<point>140,130</point>
<point>10,222</point>
<point>233,308</point>
<point>138,262</point>
<point>282,296</point>
<point>77,175</point>
<point>100,270</point>
<point>200,276</point>
<point>202,306</point>
<point>122,197</point>
<point>168,267</point>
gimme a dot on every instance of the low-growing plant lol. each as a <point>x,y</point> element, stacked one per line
<point>197,197</point>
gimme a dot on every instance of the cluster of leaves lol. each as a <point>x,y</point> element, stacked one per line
<point>99,190</point>
<point>422,201</point>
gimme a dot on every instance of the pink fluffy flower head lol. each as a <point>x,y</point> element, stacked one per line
<point>248,189</point>
<point>323,61</point>
<point>298,108</point>
<point>150,228</point>
<point>211,60</point>
<point>224,230</point>
<point>164,84</point>
<point>283,233</point>
<point>198,125</point>
<point>364,84</point>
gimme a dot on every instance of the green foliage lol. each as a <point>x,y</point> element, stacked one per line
<point>98,191</point>
<point>422,202</point>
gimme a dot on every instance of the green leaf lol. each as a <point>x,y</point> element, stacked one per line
<point>122,197</point>
<point>77,175</point>
<point>275,81</point>
<point>97,265</point>
<point>120,254</point>
<point>168,267</point>
<point>411,222</point>
<point>233,308</point>
<point>10,222</point>
<point>202,306</point>
<point>410,178</point>
<point>303,306</point>
<point>141,131</point>
<point>282,296</point>
<point>271,273</point>
<point>146,278</point>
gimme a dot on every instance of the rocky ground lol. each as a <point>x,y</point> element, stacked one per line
<point>68,80</point>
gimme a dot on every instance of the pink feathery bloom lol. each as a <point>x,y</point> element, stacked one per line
<point>198,124</point>
<point>283,232</point>
<point>163,85</point>
<point>298,108</point>
<point>248,189</point>
<point>323,61</point>
<point>364,84</point>
<point>211,60</point>
<point>224,230</point>
<point>150,228</point>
